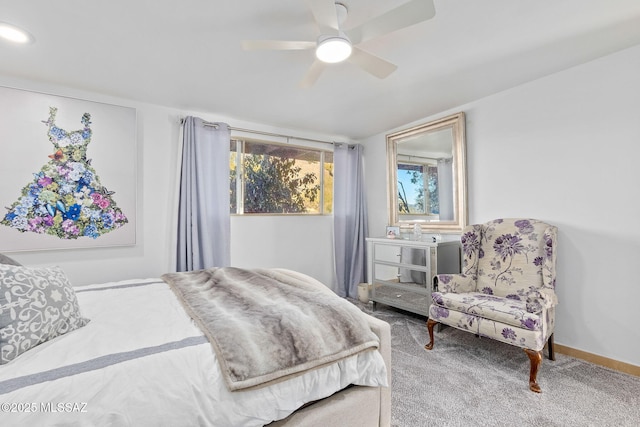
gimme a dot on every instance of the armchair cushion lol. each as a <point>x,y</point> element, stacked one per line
<point>504,310</point>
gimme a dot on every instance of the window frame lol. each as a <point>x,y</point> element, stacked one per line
<point>240,142</point>
<point>424,167</point>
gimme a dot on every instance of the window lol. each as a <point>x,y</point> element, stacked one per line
<point>418,189</point>
<point>268,178</point>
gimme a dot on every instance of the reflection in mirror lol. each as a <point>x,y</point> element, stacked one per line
<point>427,176</point>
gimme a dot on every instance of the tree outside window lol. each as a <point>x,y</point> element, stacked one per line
<point>280,179</point>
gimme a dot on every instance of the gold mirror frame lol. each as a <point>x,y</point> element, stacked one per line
<point>456,123</point>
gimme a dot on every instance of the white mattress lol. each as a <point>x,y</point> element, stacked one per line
<point>142,361</point>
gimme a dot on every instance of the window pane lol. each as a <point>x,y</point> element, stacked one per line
<point>411,188</point>
<point>280,179</point>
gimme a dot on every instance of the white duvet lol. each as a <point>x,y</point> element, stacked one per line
<point>142,362</point>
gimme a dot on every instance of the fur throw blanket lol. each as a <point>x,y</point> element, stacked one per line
<point>265,325</point>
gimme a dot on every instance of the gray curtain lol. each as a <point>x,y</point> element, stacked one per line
<point>203,236</point>
<point>445,189</point>
<point>349,219</point>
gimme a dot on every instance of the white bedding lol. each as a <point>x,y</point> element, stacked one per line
<point>141,361</point>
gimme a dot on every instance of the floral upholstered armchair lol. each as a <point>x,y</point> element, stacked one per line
<point>506,290</point>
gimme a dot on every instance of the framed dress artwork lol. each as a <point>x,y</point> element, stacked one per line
<point>67,172</point>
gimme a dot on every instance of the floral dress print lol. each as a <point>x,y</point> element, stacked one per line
<point>66,199</point>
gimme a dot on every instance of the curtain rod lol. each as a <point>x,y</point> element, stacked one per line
<point>258,132</point>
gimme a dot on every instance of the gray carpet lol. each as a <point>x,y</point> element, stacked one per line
<point>470,381</point>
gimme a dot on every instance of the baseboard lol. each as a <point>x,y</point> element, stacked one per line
<point>627,368</point>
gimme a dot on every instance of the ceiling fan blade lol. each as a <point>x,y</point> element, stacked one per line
<point>277,45</point>
<point>408,14</point>
<point>371,63</point>
<point>324,12</point>
<point>312,75</point>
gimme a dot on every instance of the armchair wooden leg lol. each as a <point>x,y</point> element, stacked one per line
<point>536,358</point>
<point>430,324</point>
<point>552,354</point>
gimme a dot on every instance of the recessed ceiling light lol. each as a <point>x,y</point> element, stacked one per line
<point>15,34</point>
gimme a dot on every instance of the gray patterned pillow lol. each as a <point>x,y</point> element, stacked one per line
<point>6,260</point>
<point>36,305</point>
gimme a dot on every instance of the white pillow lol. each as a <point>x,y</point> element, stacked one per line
<point>36,305</point>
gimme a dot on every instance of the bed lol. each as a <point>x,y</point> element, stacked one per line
<point>143,359</point>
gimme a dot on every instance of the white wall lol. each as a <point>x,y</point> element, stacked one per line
<point>296,242</point>
<point>563,149</point>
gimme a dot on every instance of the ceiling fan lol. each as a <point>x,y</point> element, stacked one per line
<point>336,44</point>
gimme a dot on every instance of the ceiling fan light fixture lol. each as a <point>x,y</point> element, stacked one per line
<point>333,49</point>
<point>15,34</point>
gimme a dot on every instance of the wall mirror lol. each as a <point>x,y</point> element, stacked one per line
<point>427,176</point>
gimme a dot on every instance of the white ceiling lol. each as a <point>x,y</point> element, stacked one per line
<point>186,54</point>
